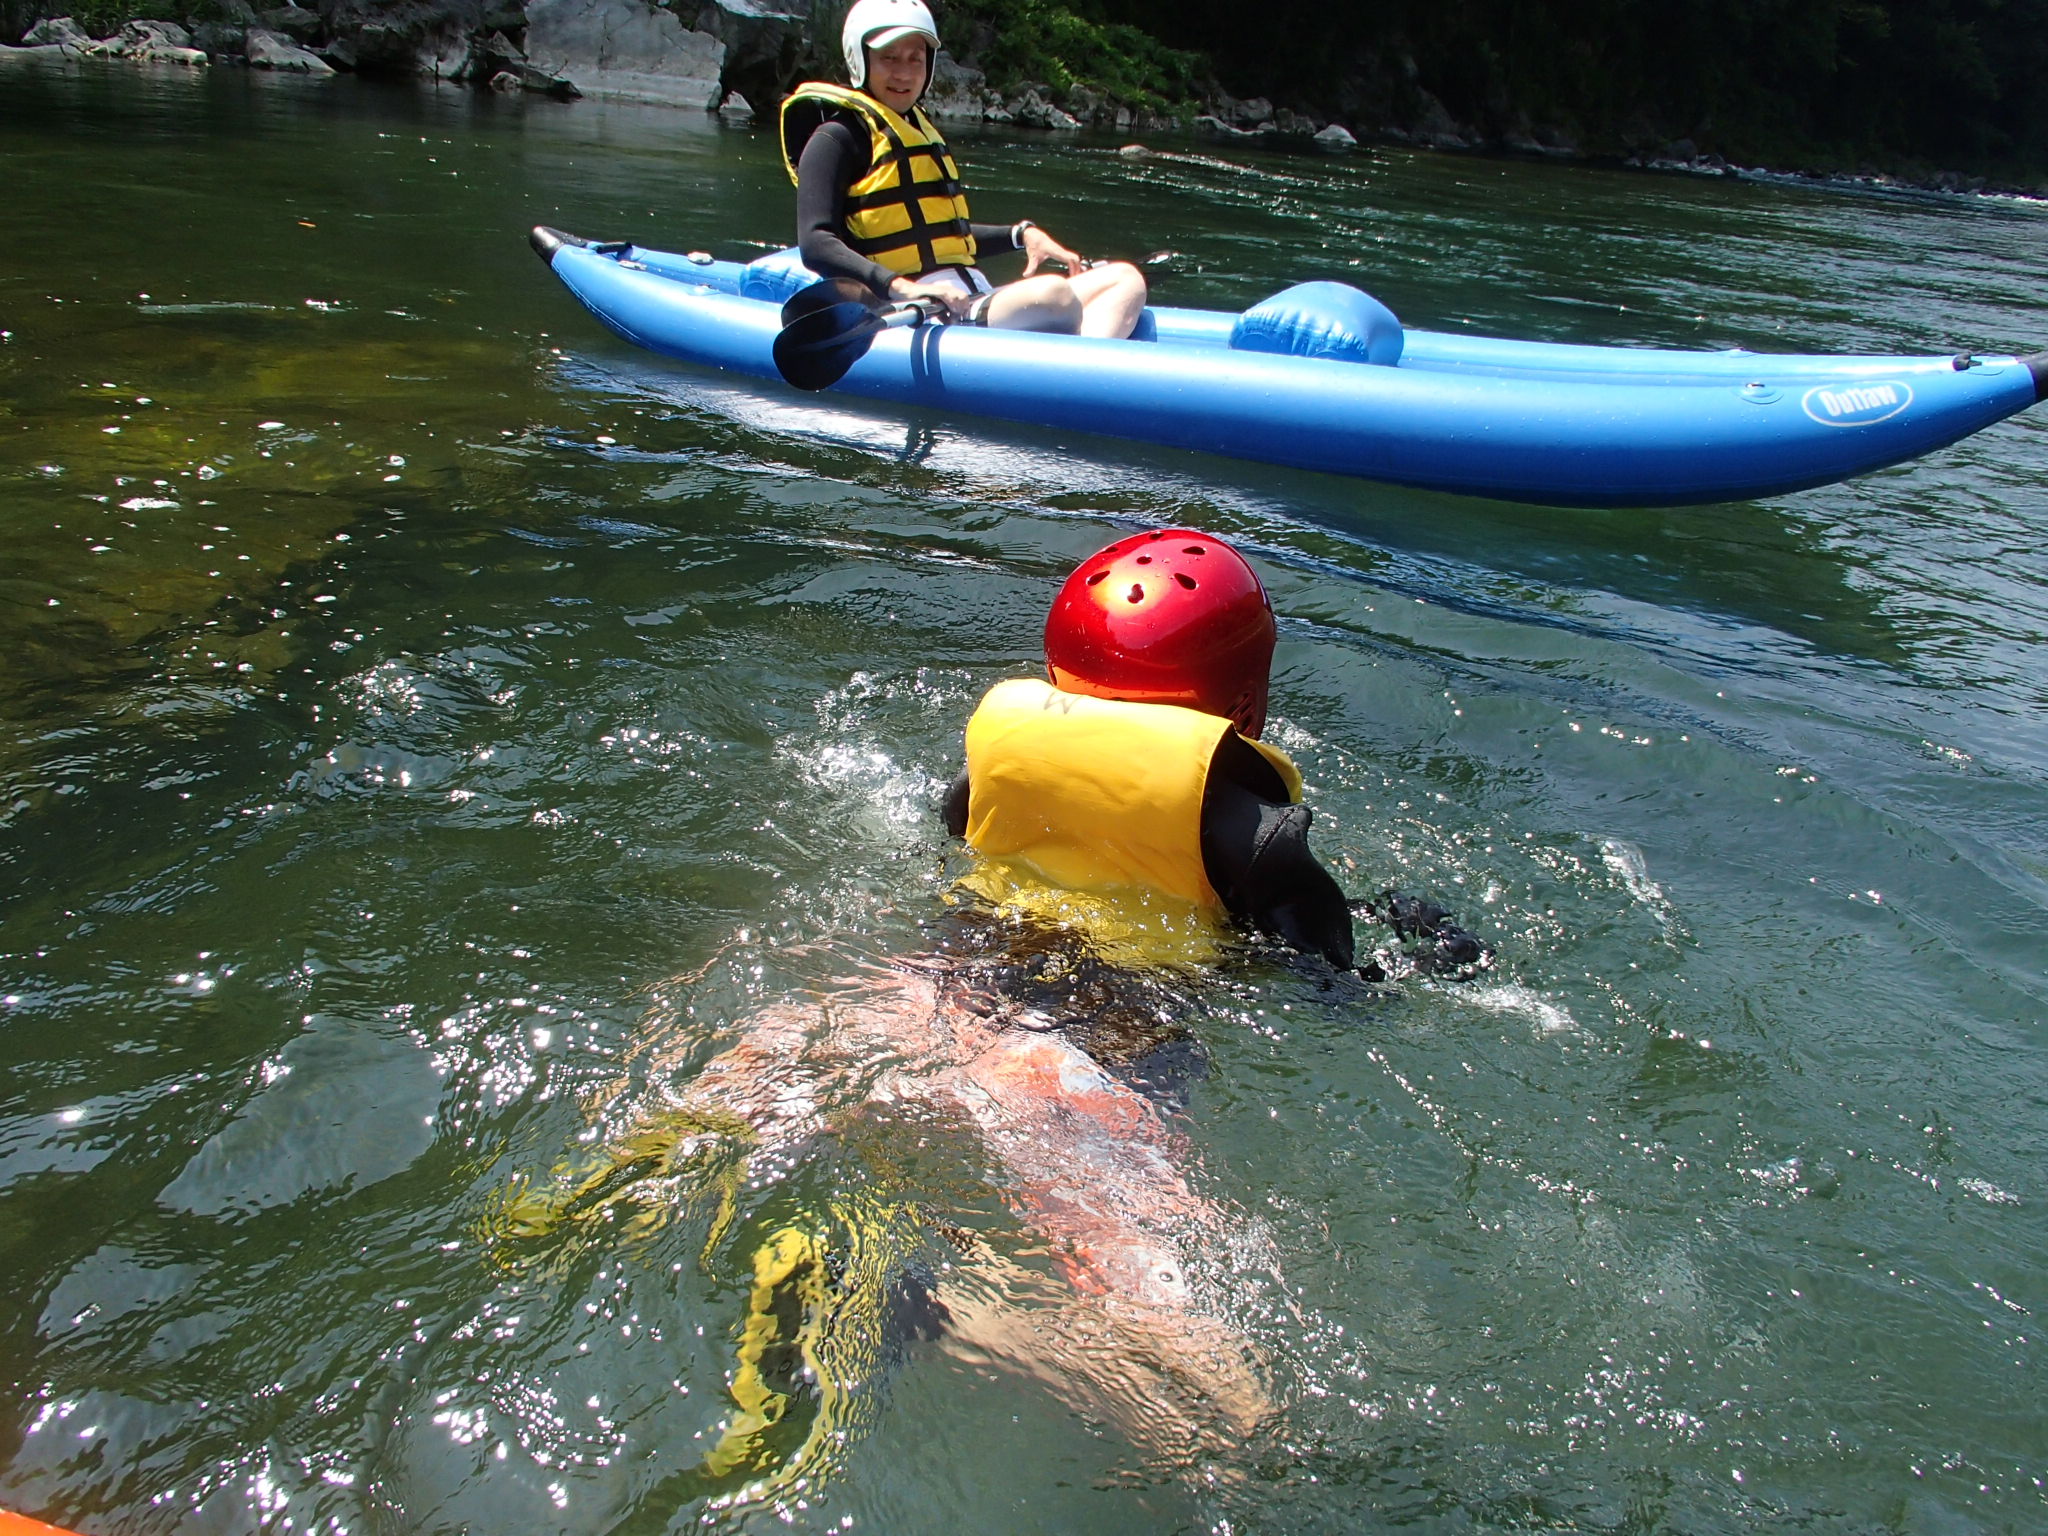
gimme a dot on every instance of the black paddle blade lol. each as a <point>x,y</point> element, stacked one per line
<point>825,294</point>
<point>815,350</point>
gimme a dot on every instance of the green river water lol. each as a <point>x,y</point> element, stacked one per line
<point>429,727</point>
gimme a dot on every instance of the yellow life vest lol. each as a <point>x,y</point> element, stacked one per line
<point>908,212</point>
<point>1097,795</point>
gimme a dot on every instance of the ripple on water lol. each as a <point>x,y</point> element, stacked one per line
<point>430,746</point>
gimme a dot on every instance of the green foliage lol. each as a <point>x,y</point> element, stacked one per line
<point>1067,46</point>
<point>103,18</point>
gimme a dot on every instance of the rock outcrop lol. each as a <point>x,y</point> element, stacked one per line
<point>156,42</point>
<point>266,49</point>
<point>62,32</point>
<point>626,50</point>
<point>768,47</point>
<point>703,55</point>
<point>958,93</point>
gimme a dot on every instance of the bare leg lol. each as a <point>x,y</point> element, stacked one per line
<point>1186,1388</point>
<point>1086,1163</point>
<point>1046,303</point>
<point>1093,1170</point>
<point>1112,297</point>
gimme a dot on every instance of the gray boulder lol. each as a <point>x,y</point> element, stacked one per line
<point>625,50</point>
<point>1032,110</point>
<point>502,64</point>
<point>1548,143</point>
<point>541,83</point>
<point>294,22</point>
<point>1210,126</point>
<point>1336,140</point>
<point>768,46</point>
<point>62,32</point>
<point>1436,127</point>
<point>494,55</point>
<point>154,34</point>
<point>958,94</point>
<point>220,39</point>
<point>273,50</point>
<point>156,42</point>
<point>403,37</point>
<point>1085,103</point>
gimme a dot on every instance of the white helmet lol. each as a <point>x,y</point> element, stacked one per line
<point>877,24</point>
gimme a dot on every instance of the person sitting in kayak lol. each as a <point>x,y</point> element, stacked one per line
<point>879,197</point>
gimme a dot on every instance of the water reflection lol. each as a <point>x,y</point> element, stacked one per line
<point>1114,1286</point>
<point>1781,567</point>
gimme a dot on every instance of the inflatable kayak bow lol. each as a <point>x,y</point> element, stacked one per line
<point>1323,377</point>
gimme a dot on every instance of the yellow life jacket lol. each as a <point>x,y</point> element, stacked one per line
<point>908,212</point>
<point>1097,795</point>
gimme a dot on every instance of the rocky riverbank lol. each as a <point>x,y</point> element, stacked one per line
<point>737,56</point>
<point>707,55</point>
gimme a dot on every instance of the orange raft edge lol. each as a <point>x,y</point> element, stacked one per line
<point>21,1525</point>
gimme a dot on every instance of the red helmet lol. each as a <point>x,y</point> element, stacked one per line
<point>1167,617</point>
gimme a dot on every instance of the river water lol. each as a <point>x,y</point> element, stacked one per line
<point>430,728</point>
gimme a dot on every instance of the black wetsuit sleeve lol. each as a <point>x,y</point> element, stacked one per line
<point>1256,854</point>
<point>833,160</point>
<point>954,806</point>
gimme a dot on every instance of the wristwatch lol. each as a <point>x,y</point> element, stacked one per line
<point>1017,233</point>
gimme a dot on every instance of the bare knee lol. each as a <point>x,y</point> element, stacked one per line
<point>1112,280</point>
<point>1112,297</point>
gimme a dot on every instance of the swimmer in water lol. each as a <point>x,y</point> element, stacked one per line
<point>1128,797</point>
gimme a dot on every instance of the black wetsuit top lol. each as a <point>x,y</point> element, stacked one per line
<point>834,157</point>
<point>1254,851</point>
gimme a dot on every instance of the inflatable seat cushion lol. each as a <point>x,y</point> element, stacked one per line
<point>774,277</point>
<point>1330,320</point>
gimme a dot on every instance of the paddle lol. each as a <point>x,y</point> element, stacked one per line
<point>829,326</point>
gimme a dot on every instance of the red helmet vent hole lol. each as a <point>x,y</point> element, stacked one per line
<point>1144,559</point>
<point>1185,579</point>
<point>1136,595</point>
<point>1193,549</point>
<point>1098,578</point>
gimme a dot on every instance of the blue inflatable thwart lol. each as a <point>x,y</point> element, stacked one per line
<point>1323,377</point>
<point>1332,320</point>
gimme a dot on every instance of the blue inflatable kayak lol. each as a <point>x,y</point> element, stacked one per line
<point>1322,377</point>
